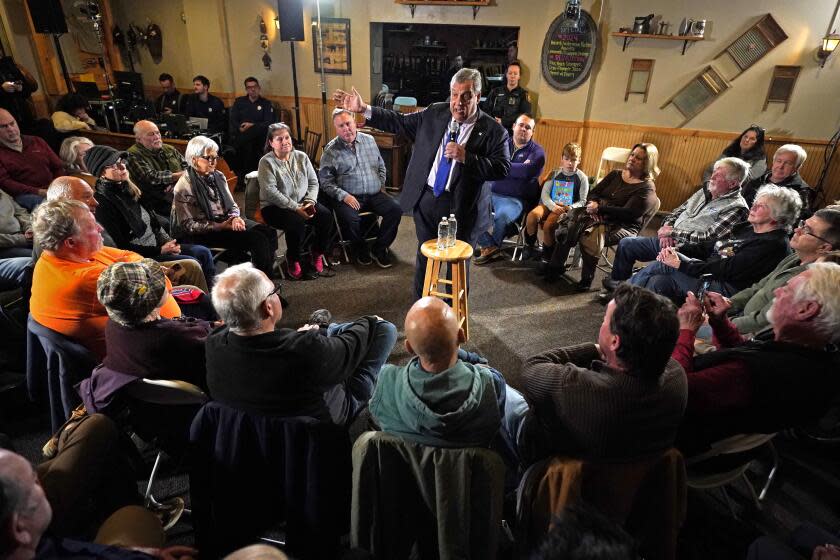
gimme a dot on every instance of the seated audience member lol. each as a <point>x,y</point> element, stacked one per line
<point>204,213</point>
<point>784,172</point>
<point>780,379</point>
<point>203,105</point>
<point>749,146</point>
<point>752,251</point>
<point>64,281</point>
<point>581,533</point>
<point>352,175</point>
<point>519,190</point>
<point>155,167</point>
<point>51,510</point>
<point>289,200</point>
<point>615,208</point>
<point>27,164</point>
<point>567,187</point>
<point>807,541</point>
<point>71,114</point>
<point>253,365</point>
<point>812,240</point>
<point>15,230</point>
<point>250,116</point>
<point>437,398</point>
<point>129,220</point>
<point>13,272</point>
<point>622,398</point>
<point>72,153</point>
<point>169,101</point>
<point>708,215</point>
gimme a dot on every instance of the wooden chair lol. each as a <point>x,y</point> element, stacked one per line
<point>311,145</point>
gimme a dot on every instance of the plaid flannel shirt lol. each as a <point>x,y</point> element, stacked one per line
<point>357,172</point>
<point>716,216</point>
<point>154,168</point>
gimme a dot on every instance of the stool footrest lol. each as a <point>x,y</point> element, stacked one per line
<point>441,295</point>
<point>444,281</point>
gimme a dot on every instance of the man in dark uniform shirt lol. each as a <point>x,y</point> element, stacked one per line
<point>201,104</point>
<point>170,100</point>
<point>250,116</point>
<point>507,102</point>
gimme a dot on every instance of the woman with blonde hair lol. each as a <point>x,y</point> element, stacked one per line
<point>617,207</point>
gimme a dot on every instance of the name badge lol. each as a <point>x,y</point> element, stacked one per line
<point>512,101</point>
<point>259,107</point>
<point>209,109</point>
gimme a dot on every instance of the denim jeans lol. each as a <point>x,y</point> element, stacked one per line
<point>673,284</point>
<point>11,272</point>
<point>630,250</point>
<point>29,201</point>
<point>204,257</point>
<point>347,399</point>
<point>506,210</point>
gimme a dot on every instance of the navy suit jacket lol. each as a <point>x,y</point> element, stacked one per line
<point>487,158</point>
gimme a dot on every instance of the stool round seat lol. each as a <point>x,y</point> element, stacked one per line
<point>461,251</point>
<point>454,290</point>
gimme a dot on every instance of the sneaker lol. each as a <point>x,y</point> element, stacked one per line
<point>295,271</point>
<point>320,317</point>
<point>363,255</point>
<point>318,261</point>
<point>488,254</point>
<point>383,258</point>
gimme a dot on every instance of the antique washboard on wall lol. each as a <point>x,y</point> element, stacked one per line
<point>751,46</point>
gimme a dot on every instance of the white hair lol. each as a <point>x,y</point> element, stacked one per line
<point>467,75</point>
<point>198,146</point>
<point>237,295</point>
<point>69,151</point>
<point>56,220</point>
<point>738,168</point>
<point>821,286</point>
<point>784,203</point>
<point>796,149</point>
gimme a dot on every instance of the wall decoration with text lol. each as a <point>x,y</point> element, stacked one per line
<point>569,51</point>
<point>336,33</point>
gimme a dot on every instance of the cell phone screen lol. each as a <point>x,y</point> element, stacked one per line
<point>701,293</point>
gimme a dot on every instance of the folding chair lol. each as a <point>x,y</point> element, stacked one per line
<point>369,227</point>
<point>253,212</point>
<point>311,145</point>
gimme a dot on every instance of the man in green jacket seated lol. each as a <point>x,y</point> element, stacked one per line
<point>439,398</point>
<point>816,236</point>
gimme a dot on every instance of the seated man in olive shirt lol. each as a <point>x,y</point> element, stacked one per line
<point>254,366</point>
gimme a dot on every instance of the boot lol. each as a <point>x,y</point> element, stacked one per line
<point>587,272</point>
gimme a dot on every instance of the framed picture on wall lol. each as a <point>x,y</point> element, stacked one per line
<point>336,51</point>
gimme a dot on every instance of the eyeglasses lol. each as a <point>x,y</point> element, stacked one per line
<point>119,164</point>
<point>806,229</point>
<point>276,290</point>
<point>210,159</point>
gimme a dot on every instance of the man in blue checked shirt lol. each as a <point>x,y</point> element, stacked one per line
<point>352,174</point>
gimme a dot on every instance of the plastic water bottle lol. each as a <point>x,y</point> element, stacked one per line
<point>453,230</point>
<point>443,234</point>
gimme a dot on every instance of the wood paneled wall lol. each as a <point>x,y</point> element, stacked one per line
<point>683,154</point>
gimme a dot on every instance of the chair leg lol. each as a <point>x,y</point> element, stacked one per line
<point>772,473</point>
<point>149,499</point>
<point>753,495</point>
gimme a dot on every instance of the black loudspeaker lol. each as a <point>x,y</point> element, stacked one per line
<point>47,16</point>
<point>290,13</point>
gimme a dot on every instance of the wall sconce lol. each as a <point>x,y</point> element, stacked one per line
<point>829,45</point>
<point>277,22</point>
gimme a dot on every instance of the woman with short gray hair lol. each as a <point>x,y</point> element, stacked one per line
<point>204,212</point>
<point>784,204</point>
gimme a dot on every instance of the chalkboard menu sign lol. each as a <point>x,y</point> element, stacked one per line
<point>569,51</point>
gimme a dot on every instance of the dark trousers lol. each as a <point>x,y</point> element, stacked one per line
<point>258,240</point>
<point>294,225</point>
<point>428,213</point>
<point>90,477</point>
<point>249,148</point>
<point>380,204</point>
<point>204,257</point>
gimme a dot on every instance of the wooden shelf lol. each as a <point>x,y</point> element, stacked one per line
<point>628,38</point>
<point>475,4</point>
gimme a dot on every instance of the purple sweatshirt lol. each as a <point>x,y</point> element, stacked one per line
<point>523,181</point>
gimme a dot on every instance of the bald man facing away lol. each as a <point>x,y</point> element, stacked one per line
<point>438,398</point>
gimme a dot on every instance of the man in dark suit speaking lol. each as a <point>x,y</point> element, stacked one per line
<point>456,149</point>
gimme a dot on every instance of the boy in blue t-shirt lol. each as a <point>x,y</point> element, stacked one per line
<point>565,188</point>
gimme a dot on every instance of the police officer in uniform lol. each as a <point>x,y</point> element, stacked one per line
<point>505,103</point>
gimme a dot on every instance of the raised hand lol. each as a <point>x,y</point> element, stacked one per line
<point>351,101</point>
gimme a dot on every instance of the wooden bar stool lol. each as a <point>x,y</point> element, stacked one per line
<point>456,256</point>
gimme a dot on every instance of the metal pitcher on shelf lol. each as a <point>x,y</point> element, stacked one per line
<point>641,24</point>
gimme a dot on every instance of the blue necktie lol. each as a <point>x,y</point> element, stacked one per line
<point>444,164</point>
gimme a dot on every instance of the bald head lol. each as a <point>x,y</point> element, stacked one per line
<point>432,332</point>
<point>72,188</point>
<point>9,131</point>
